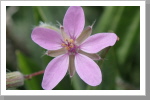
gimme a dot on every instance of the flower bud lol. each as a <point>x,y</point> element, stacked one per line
<point>14,79</point>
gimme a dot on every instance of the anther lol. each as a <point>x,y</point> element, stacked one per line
<point>71,41</point>
<point>67,48</point>
<point>66,40</point>
<point>71,46</point>
<point>63,44</point>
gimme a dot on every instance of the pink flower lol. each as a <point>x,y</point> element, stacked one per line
<point>73,48</point>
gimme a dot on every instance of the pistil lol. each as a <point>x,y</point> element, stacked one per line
<point>70,46</point>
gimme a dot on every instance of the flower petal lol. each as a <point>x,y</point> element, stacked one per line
<point>71,65</point>
<point>93,56</point>
<point>74,21</point>
<point>46,38</point>
<point>88,70</point>
<point>55,71</point>
<point>97,42</point>
<point>55,53</point>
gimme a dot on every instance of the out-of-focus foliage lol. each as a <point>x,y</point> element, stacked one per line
<point>120,65</point>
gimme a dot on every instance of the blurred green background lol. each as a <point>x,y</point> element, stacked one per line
<point>120,67</point>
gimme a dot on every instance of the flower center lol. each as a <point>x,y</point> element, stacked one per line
<point>69,44</point>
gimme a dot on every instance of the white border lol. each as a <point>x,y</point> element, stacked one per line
<point>73,3</point>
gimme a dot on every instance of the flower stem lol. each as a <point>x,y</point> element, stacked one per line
<point>33,74</point>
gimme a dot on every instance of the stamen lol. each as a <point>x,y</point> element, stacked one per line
<point>63,44</point>
<point>71,40</point>
<point>66,39</point>
<point>67,48</point>
<point>70,46</point>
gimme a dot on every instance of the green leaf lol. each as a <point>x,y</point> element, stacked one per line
<point>42,13</point>
<point>109,19</point>
<point>27,66</point>
<point>129,38</point>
